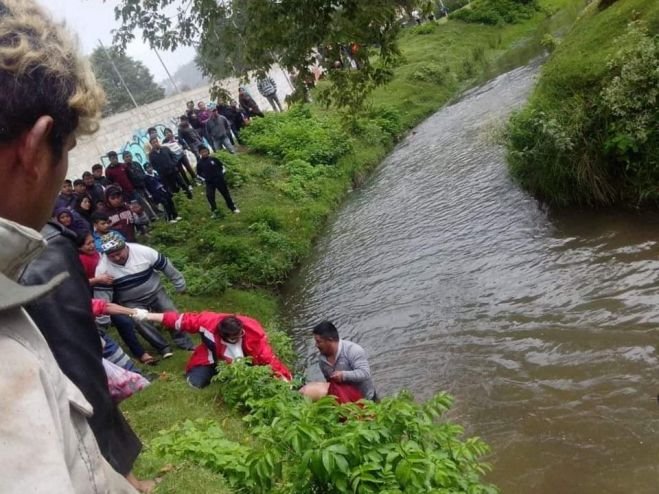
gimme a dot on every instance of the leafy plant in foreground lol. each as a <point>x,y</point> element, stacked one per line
<point>396,446</point>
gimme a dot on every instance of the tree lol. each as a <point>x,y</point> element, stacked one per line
<point>136,76</point>
<point>355,41</point>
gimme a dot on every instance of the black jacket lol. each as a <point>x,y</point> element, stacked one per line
<point>210,169</point>
<point>163,161</point>
<point>189,135</point>
<point>65,318</point>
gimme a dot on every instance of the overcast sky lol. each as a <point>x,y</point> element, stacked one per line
<point>92,20</point>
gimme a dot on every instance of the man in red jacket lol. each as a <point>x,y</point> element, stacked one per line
<point>223,337</point>
<point>119,173</point>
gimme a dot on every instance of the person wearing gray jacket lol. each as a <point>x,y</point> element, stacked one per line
<point>49,95</point>
<point>218,129</point>
<point>341,362</point>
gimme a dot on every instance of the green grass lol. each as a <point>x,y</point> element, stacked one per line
<point>241,266</point>
<point>567,146</point>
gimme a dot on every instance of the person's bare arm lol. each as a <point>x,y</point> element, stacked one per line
<point>113,309</point>
<point>154,317</point>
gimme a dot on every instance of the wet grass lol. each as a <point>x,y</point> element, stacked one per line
<point>438,62</point>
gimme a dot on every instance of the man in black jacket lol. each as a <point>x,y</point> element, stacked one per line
<point>138,178</point>
<point>164,162</point>
<point>66,320</point>
<point>212,171</point>
<point>189,135</point>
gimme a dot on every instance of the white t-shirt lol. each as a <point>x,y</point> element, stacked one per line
<point>234,350</point>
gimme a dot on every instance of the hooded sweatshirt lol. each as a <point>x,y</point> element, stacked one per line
<point>121,218</point>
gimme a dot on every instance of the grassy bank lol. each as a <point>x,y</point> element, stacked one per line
<point>298,169</point>
<point>589,134</point>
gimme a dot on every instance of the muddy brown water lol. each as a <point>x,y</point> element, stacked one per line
<point>542,325</point>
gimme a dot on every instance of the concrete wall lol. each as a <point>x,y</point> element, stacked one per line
<point>128,129</point>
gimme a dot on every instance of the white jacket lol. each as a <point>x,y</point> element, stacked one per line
<point>46,444</point>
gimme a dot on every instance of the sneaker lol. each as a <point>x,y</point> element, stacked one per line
<point>173,221</point>
<point>190,188</point>
<point>214,215</point>
<point>178,218</point>
<point>236,211</point>
<point>167,354</point>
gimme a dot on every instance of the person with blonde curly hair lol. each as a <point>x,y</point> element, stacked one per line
<point>49,96</point>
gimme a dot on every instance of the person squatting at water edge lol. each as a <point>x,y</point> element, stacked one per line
<point>344,365</point>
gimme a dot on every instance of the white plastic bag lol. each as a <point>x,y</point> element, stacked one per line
<point>121,382</point>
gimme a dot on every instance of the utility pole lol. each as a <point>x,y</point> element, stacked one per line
<point>123,83</point>
<point>168,74</point>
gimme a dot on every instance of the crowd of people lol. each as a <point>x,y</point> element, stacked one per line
<point>71,267</point>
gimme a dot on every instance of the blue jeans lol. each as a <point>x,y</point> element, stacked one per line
<point>200,376</point>
<point>224,141</point>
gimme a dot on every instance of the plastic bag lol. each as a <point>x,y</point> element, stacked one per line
<point>121,382</point>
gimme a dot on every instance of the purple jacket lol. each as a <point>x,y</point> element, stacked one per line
<point>63,201</point>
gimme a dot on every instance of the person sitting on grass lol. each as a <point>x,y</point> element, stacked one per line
<point>344,365</point>
<point>212,171</point>
<point>223,337</point>
<point>135,282</point>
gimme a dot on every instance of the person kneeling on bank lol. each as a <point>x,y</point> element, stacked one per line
<point>223,337</point>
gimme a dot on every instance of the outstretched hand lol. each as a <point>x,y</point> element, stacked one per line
<point>140,314</point>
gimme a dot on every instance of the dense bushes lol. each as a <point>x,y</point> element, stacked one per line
<point>396,446</point>
<point>497,12</point>
<point>590,135</point>
<point>297,134</point>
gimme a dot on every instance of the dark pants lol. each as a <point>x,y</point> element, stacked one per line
<point>161,302</point>
<point>273,99</point>
<point>126,329</point>
<point>174,182</point>
<point>200,376</point>
<point>181,172</point>
<point>141,196</point>
<point>220,185</point>
<point>165,198</point>
<point>185,162</point>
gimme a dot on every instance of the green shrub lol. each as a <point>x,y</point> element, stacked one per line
<point>388,118</point>
<point>380,125</point>
<point>267,215</point>
<point>596,141</point>
<point>430,72</point>
<point>395,446</point>
<point>425,28</point>
<point>297,134</point>
<point>236,171</point>
<point>496,12</point>
<point>205,281</point>
<point>452,5</point>
<point>630,98</point>
<point>549,42</point>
